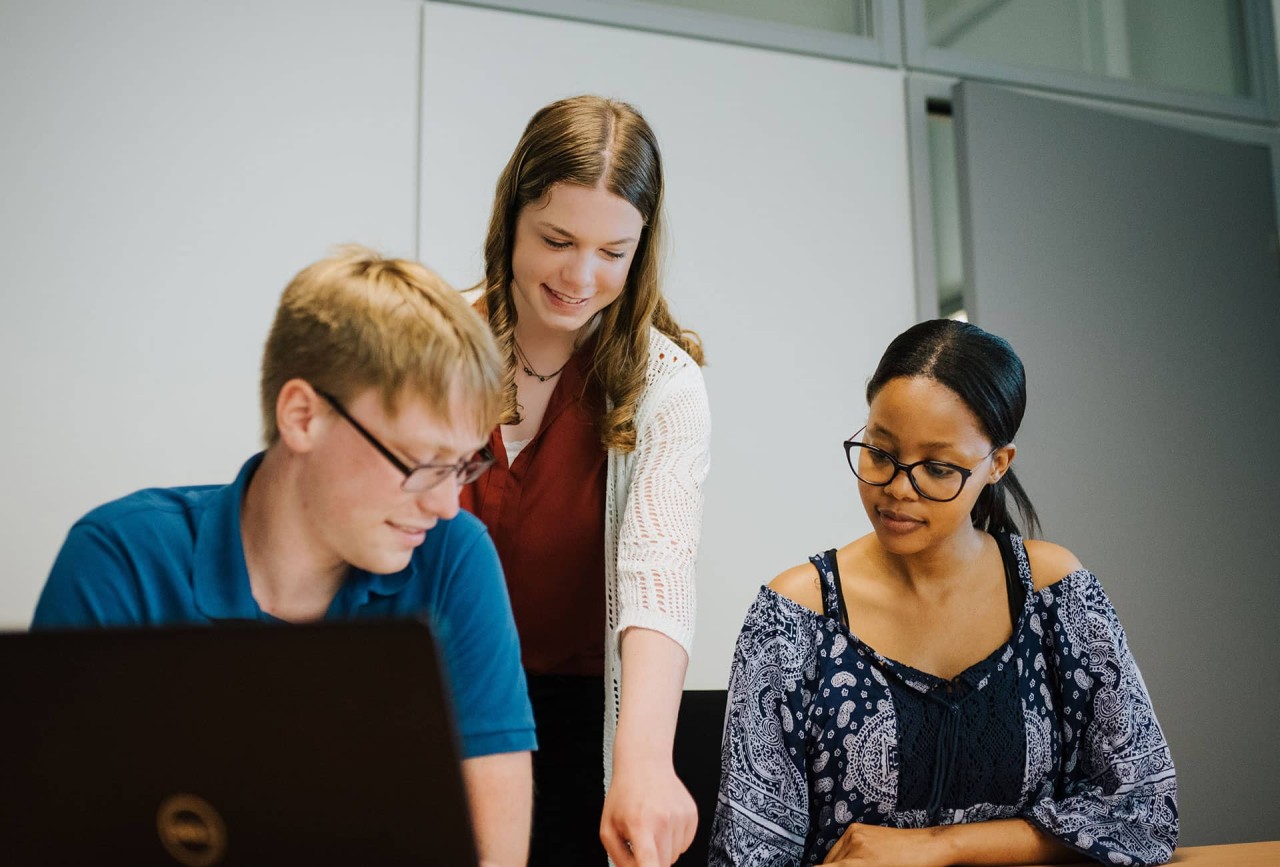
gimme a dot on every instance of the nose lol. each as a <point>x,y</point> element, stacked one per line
<point>900,487</point>
<point>577,271</point>
<point>440,501</point>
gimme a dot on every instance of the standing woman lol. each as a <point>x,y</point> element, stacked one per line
<point>595,499</point>
<point>940,691</point>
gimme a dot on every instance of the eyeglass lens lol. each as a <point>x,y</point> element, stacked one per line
<point>932,479</point>
<point>426,477</point>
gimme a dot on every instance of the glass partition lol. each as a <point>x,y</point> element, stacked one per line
<point>948,255</point>
<point>1215,57</point>
<point>1194,45</point>
<point>850,16</point>
<point>865,31</point>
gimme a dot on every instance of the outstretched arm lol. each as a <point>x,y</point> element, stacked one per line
<point>649,816</point>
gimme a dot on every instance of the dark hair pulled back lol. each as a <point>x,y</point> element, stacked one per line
<point>984,372</point>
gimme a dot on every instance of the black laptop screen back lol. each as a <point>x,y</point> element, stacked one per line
<point>323,744</point>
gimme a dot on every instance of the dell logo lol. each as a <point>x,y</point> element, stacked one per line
<point>191,831</point>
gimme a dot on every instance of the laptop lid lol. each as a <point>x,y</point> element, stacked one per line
<point>199,746</point>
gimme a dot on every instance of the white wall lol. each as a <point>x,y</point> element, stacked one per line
<point>174,164</point>
<point>788,205</point>
<point>165,168</point>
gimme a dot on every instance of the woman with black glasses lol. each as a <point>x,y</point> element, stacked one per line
<point>940,691</point>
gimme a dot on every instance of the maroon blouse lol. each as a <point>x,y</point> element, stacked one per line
<point>545,513</point>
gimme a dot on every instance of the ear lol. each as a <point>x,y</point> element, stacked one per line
<point>299,411</point>
<point>1001,460</point>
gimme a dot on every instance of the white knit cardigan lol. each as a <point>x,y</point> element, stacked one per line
<point>653,516</point>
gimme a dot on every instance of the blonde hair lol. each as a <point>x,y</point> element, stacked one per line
<point>589,140</point>
<point>357,320</point>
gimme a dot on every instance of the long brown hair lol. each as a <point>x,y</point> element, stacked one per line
<point>587,140</point>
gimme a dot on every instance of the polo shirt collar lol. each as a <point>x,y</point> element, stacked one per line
<point>361,586</point>
<point>220,576</point>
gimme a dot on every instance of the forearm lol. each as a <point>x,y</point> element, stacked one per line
<point>500,792</point>
<point>653,670</point>
<point>649,817</point>
<point>1002,841</point>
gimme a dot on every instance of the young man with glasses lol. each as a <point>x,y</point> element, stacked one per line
<point>379,389</point>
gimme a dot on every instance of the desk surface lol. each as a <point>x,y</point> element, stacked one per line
<point>1234,855</point>
<point>1231,855</point>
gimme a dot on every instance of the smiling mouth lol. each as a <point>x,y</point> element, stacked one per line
<point>565,299</point>
<point>411,531</point>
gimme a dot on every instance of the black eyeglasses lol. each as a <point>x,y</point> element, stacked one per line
<point>423,477</point>
<point>941,482</point>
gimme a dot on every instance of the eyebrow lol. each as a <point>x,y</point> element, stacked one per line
<point>409,459</point>
<point>435,451</point>
<point>562,231</point>
<point>395,445</point>
<point>929,446</point>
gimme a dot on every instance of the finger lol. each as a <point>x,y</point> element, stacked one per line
<point>673,844</point>
<point>663,848</point>
<point>673,835</point>
<point>664,840</point>
<point>645,852</point>
<point>687,830</point>
<point>616,846</point>
<point>648,846</point>
<point>838,857</point>
<point>651,837</point>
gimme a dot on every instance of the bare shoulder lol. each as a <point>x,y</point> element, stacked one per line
<point>800,585</point>
<point>1050,563</point>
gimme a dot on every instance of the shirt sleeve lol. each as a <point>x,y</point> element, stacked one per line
<point>1116,797</point>
<point>762,813</point>
<point>92,583</point>
<point>662,523</point>
<point>477,635</point>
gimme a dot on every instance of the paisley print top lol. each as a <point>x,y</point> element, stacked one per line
<point>1054,727</point>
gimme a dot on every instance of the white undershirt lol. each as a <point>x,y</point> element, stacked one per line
<point>513,447</point>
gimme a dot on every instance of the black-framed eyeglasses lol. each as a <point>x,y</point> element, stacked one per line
<point>937,480</point>
<point>423,477</point>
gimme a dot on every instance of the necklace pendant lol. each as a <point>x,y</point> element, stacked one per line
<point>529,371</point>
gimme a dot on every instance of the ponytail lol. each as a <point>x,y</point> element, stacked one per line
<point>992,513</point>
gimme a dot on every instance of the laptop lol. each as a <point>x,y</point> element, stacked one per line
<point>230,745</point>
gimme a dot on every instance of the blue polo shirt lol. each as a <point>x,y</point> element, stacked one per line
<point>166,556</point>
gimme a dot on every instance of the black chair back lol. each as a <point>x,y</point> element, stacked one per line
<point>697,761</point>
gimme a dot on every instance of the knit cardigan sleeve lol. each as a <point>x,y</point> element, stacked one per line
<point>660,519</point>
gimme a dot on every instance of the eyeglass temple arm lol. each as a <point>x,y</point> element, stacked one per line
<point>370,438</point>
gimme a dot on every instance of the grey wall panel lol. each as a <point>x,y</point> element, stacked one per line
<point>1134,267</point>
